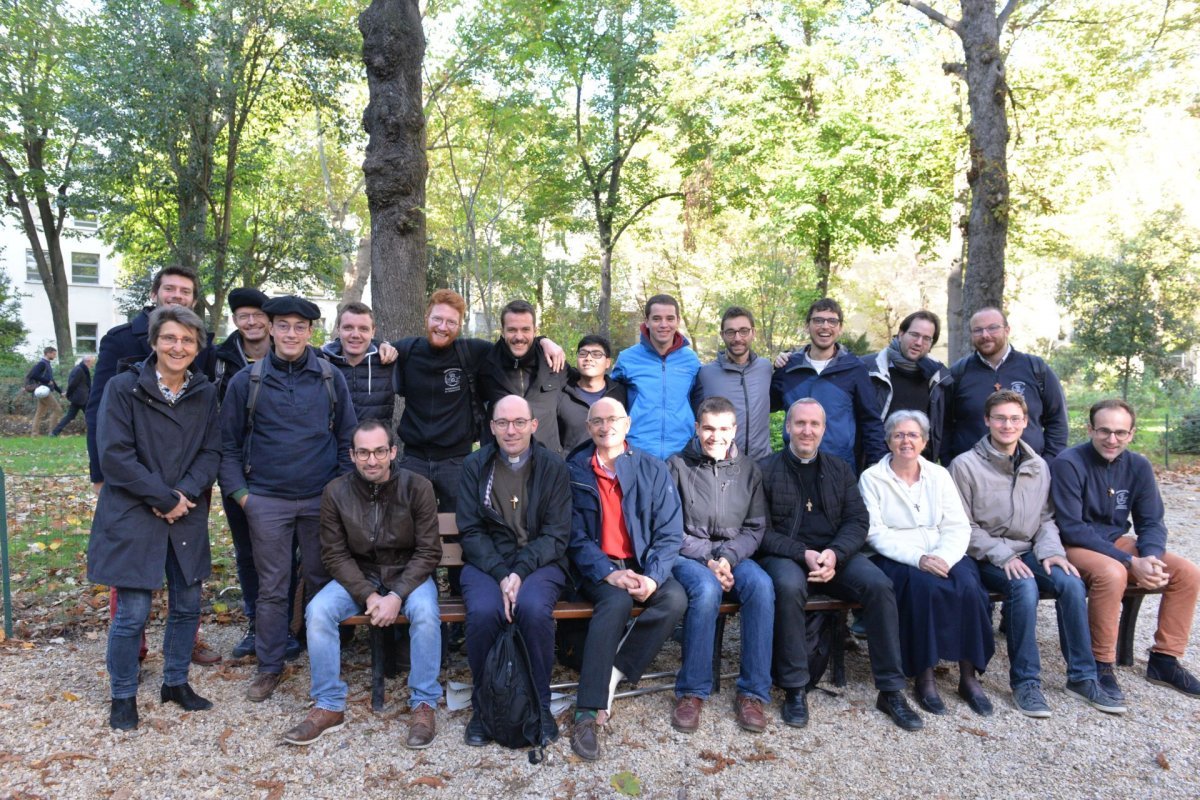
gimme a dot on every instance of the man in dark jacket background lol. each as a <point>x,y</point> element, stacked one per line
<point>817,526</point>
<point>42,375</point>
<point>907,379</point>
<point>380,545</point>
<point>79,386</point>
<point>587,383</point>
<point>514,517</point>
<point>362,361</point>
<point>276,462</point>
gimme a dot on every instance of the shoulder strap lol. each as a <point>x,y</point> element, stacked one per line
<point>256,373</point>
<point>327,379</point>
<point>460,349</point>
<point>958,368</point>
<point>1039,373</point>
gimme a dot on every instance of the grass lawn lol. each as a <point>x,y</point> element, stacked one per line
<point>43,455</point>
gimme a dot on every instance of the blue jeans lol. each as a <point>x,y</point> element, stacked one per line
<point>1020,607</point>
<point>125,632</point>
<point>334,604</point>
<point>752,588</point>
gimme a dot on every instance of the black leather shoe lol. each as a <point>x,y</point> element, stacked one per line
<point>929,699</point>
<point>895,706</point>
<point>549,725</point>
<point>122,715</point>
<point>977,701</point>
<point>475,735</point>
<point>795,708</point>
<point>185,697</point>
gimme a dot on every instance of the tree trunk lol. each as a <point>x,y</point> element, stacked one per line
<point>604,309</point>
<point>356,271</point>
<point>987,90</point>
<point>395,166</point>
<point>958,340</point>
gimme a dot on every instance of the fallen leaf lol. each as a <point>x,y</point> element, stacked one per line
<point>223,739</point>
<point>67,757</point>
<point>980,732</point>
<point>627,784</point>
<point>432,781</point>
<point>220,608</point>
<point>274,789</point>
<point>57,543</point>
<point>1161,760</point>
<point>70,696</point>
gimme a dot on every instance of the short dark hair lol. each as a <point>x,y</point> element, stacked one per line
<point>928,316</point>
<point>661,300</point>
<point>1004,396</point>
<point>824,304</point>
<point>1000,311</point>
<point>1109,404</point>
<point>736,311</point>
<point>518,307</point>
<point>182,272</point>
<point>714,405</point>
<point>47,351</point>
<point>596,339</point>
<point>182,315</point>
<point>353,307</point>
<point>371,425</point>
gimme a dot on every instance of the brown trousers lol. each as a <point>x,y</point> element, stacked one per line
<point>1107,579</point>
<point>47,409</point>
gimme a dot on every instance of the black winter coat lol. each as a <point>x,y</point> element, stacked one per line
<point>500,375</point>
<point>148,449</point>
<point>840,498</point>
<point>79,385</point>
<point>372,385</point>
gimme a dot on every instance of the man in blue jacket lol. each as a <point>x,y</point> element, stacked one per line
<point>833,376</point>
<point>42,374</point>
<point>286,425</point>
<point>625,535</point>
<point>661,373</point>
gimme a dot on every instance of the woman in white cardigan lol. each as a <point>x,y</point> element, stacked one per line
<point>919,534</point>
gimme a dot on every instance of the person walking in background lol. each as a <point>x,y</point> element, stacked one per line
<point>40,381</point>
<point>79,386</point>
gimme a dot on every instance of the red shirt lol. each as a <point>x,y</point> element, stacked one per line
<point>614,536</point>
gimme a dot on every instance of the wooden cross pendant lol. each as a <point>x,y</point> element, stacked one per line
<point>997,385</point>
<point>514,501</point>
<point>808,506</point>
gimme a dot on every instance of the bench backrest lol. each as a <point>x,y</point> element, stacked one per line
<point>451,551</point>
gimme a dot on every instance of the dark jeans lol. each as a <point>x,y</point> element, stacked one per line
<point>608,644</point>
<point>243,551</point>
<point>129,626</point>
<point>444,474</point>
<point>276,527</point>
<point>72,412</point>
<point>857,580</point>
<point>533,615</point>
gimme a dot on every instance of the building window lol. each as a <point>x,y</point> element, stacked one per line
<point>31,270</point>
<point>85,221</point>
<point>85,268</point>
<point>85,337</point>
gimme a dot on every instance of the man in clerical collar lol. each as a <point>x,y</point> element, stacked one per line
<point>514,518</point>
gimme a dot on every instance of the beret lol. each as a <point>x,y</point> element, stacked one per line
<point>247,296</point>
<point>290,304</point>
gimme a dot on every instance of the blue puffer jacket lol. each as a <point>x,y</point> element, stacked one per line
<point>371,385</point>
<point>649,502</point>
<point>662,395</point>
<point>843,388</point>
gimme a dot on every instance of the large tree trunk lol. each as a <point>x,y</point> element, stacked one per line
<point>395,165</point>
<point>958,340</point>
<point>987,91</point>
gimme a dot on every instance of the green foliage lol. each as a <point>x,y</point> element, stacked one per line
<point>12,329</point>
<point>1138,308</point>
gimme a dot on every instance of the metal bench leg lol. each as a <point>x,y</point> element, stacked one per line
<point>718,643</point>
<point>837,649</point>
<point>1130,606</point>
<point>379,650</point>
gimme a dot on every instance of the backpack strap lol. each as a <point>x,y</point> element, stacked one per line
<point>460,349</point>
<point>327,379</point>
<point>256,373</point>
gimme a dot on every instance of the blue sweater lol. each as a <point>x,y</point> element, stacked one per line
<point>661,395</point>
<point>844,390</point>
<point>292,452</point>
<point>1096,501</point>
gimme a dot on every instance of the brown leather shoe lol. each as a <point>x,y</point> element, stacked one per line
<point>749,713</point>
<point>686,716</point>
<point>315,725</point>
<point>421,728</point>
<point>584,741</point>
<point>204,655</point>
<point>262,687</point>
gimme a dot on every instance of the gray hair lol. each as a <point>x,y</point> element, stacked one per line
<point>908,415</point>
<point>184,316</point>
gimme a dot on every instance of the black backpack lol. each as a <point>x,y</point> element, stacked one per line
<point>506,697</point>
<point>820,627</point>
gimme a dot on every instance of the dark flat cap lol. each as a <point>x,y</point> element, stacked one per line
<point>245,297</point>
<point>290,304</point>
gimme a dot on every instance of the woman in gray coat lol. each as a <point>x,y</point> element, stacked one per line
<point>159,445</point>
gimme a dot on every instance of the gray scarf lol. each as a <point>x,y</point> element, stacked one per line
<point>896,358</point>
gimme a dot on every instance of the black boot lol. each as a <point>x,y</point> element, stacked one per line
<point>123,716</point>
<point>185,697</point>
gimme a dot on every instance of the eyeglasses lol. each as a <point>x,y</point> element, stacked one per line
<point>999,420</point>
<point>171,341</point>
<point>297,327</point>
<point>449,323</point>
<point>363,454</point>
<point>990,330</point>
<point>246,316</point>
<point>900,436</point>
<point>919,337</point>
<point>732,333</point>
<point>519,424</point>
<point>596,422</point>
<point>1105,433</point>
<point>824,322</point>
<point>594,355</point>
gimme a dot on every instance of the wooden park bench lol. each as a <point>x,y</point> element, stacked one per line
<point>383,661</point>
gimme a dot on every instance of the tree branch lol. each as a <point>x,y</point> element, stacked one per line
<point>933,14</point>
<point>637,211</point>
<point>1005,13</point>
<point>957,69</point>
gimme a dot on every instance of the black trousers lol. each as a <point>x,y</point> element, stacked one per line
<point>604,649</point>
<point>857,580</point>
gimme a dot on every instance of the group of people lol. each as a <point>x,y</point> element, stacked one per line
<point>39,382</point>
<point>650,485</point>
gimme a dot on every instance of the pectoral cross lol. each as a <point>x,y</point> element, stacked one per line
<point>514,502</point>
<point>997,385</point>
<point>808,506</point>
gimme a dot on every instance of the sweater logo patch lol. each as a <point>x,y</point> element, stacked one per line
<point>453,378</point>
<point>1018,387</point>
<point>1122,499</point>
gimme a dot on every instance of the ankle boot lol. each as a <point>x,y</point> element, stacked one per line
<point>122,715</point>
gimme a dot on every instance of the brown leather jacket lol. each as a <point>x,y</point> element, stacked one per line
<point>380,537</point>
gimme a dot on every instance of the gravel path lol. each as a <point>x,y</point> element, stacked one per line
<point>55,742</point>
